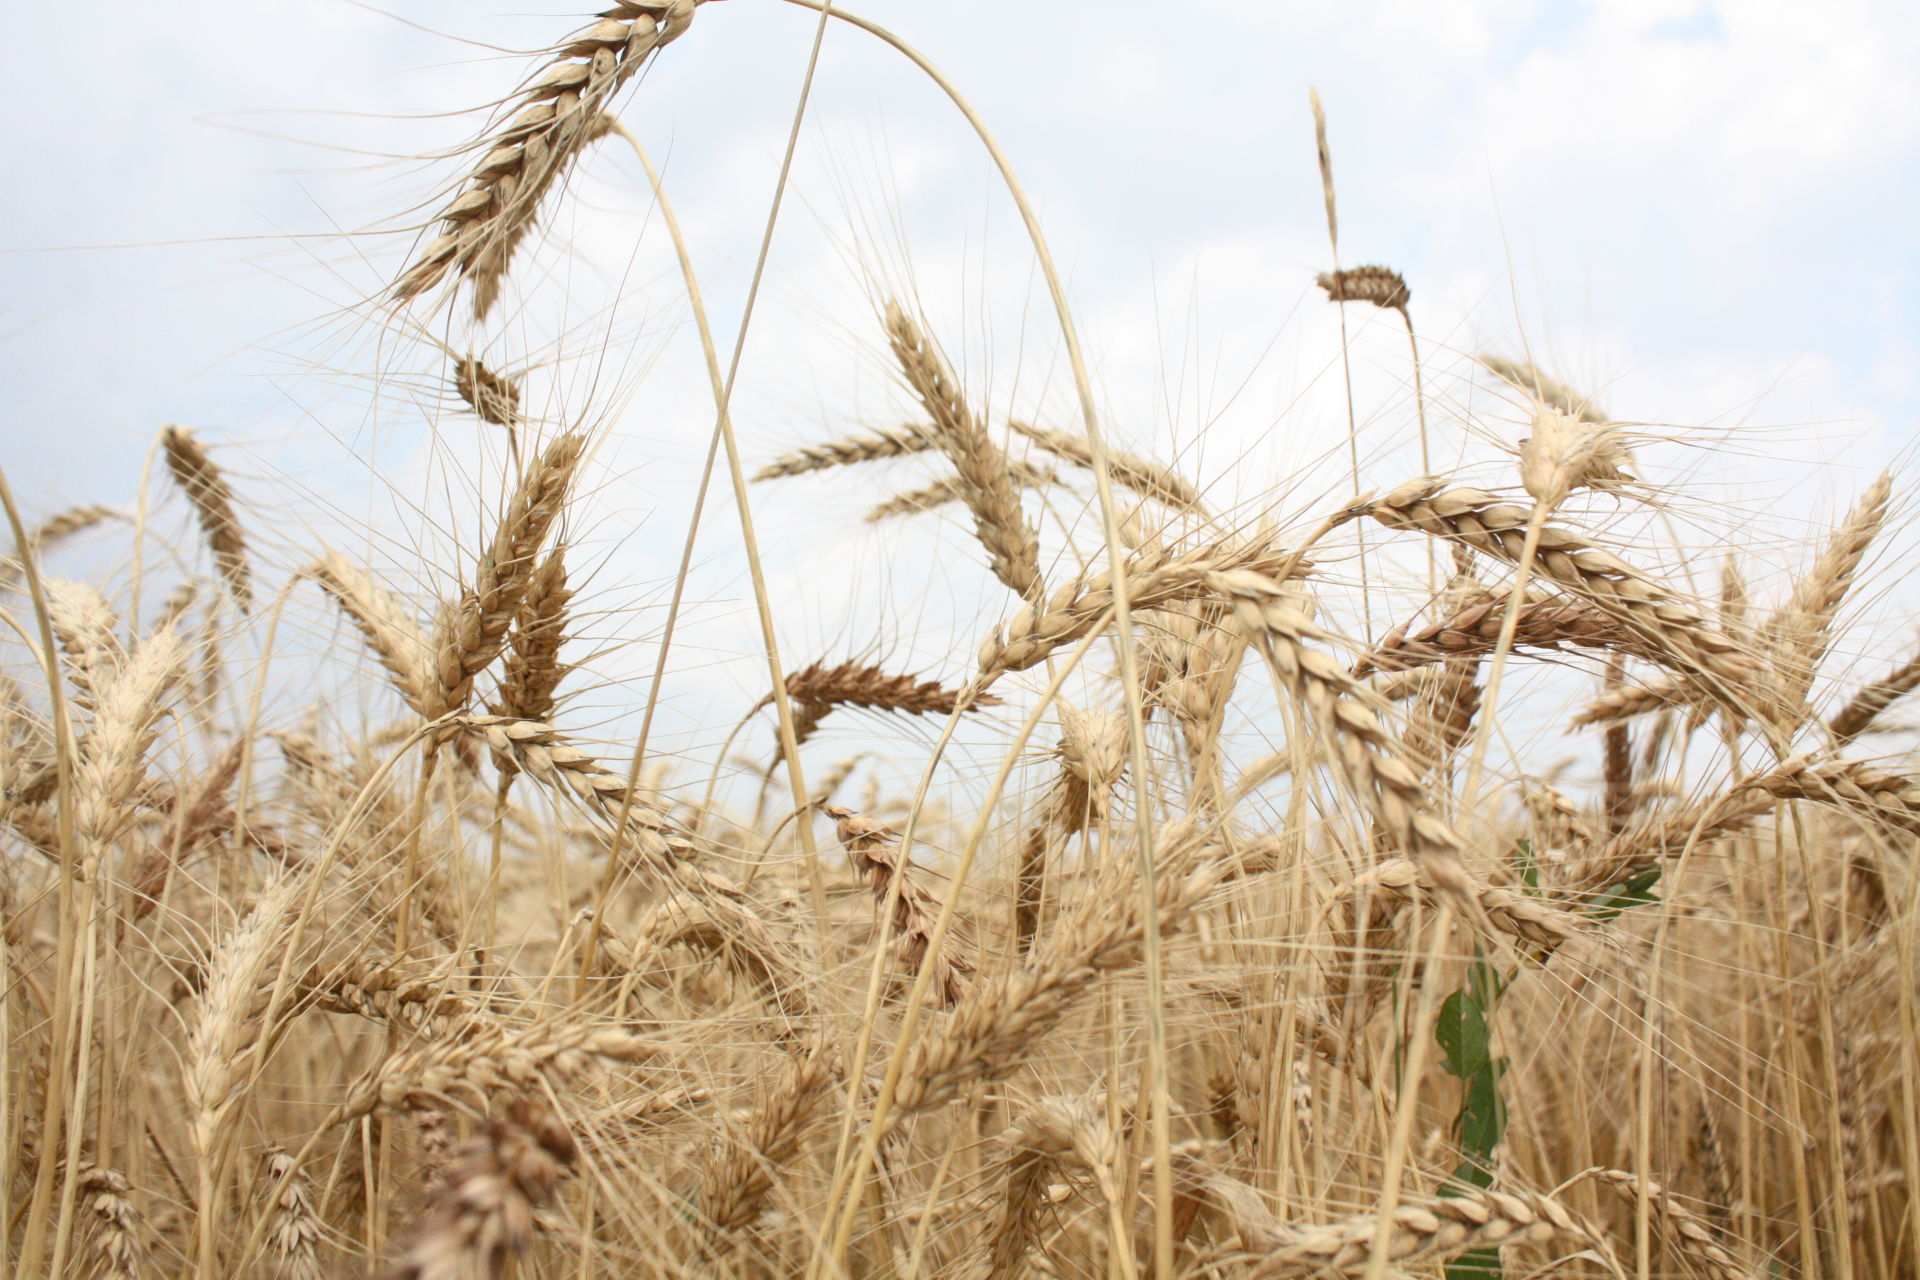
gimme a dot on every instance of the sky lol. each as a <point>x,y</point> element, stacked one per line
<point>1700,212</point>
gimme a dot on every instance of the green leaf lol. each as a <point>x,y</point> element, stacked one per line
<point>1636,892</point>
<point>1528,862</point>
<point>1475,1264</point>
<point>1461,1031</point>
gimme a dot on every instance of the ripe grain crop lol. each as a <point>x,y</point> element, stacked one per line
<point>1170,921</point>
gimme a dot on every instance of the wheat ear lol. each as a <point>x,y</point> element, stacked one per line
<point>1866,706</point>
<point>1013,548</point>
<point>495,397</point>
<point>383,622</point>
<point>211,497</point>
<point>741,1173</point>
<point>1798,635</point>
<point>1142,475</point>
<point>482,1214</point>
<point>115,1236</point>
<point>296,1234</point>
<point>1382,286</point>
<point>879,444</point>
<point>875,853</point>
<point>471,631</point>
<point>561,113</point>
<point>1528,378</point>
<point>953,489</point>
<point>1682,1227</point>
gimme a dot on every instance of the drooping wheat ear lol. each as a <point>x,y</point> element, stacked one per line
<point>1476,1218</point>
<point>742,1171</point>
<point>1142,475</point>
<point>1565,453</point>
<point>954,489</point>
<point>879,444</point>
<point>125,721</point>
<point>495,397</point>
<point>1000,1018</point>
<point>471,630</point>
<point>211,497</point>
<point>1797,636</point>
<point>542,752</point>
<point>1046,1134</point>
<point>51,532</point>
<point>383,622</point>
<point>1533,921</point>
<point>562,109</point>
<point>1525,376</point>
<point>1335,704</point>
<point>295,1234</point>
<point>1680,1226</point>
<point>1382,286</point>
<point>1443,714</point>
<point>1893,798</point>
<point>533,670</point>
<point>490,1058</point>
<point>1093,754</point>
<point>1866,706</point>
<point>738,939</point>
<point>1544,622</point>
<point>116,1246</point>
<point>1626,701</point>
<point>197,813</point>
<point>483,1210</point>
<point>409,998</point>
<point>84,626</point>
<point>1156,576</point>
<point>874,851</point>
<point>1652,840</point>
<point>1659,616</point>
<point>1190,658</point>
<point>1012,546</point>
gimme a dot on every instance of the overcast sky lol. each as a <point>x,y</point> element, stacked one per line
<point>1701,211</point>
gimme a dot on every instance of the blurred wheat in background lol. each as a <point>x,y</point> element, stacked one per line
<point>1239,943</point>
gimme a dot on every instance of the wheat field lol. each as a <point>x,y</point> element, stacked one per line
<point>1202,921</point>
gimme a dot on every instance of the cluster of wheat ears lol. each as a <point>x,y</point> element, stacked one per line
<point>454,994</point>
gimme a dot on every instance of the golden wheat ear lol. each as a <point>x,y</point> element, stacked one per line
<point>211,497</point>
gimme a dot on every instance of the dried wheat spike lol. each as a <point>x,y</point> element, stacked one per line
<point>1443,714</point>
<point>1382,286</point>
<point>738,939</point>
<point>853,685</point>
<point>881,443</point>
<point>1488,525</point>
<point>1012,546</point>
<point>953,489</point>
<point>542,752</point>
<point>1893,798</point>
<point>115,1245</point>
<point>84,627</point>
<point>212,501</point>
<point>1433,1229</point>
<point>1565,453</point>
<point>1866,706</point>
<point>1093,754</point>
<point>1681,1227</point>
<point>126,719</point>
<point>561,113</point>
<point>1335,703</point>
<point>1531,920</point>
<point>295,1233</point>
<point>471,631</point>
<point>1798,635</point>
<point>495,397</point>
<point>741,1171</point>
<point>1528,378</point>
<point>483,1211</point>
<point>533,670</point>
<point>489,1058</point>
<point>991,1029</point>
<point>51,532</point>
<point>1544,622</point>
<point>875,853</point>
<point>1626,701</point>
<point>1155,576</point>
<point>1142,475</point>
<point>388,628</point>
